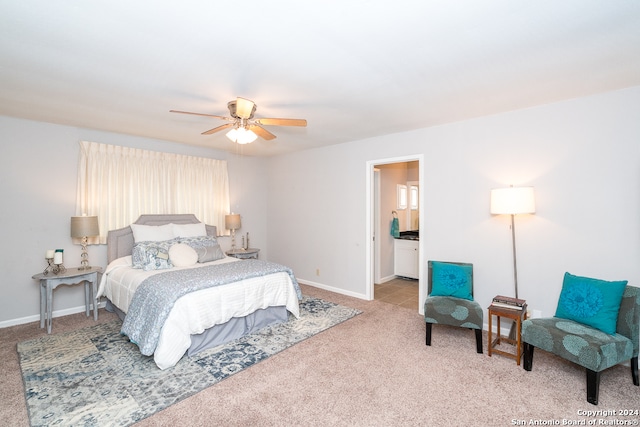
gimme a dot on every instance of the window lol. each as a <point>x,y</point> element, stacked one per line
<point>402,196</point>
<point>118,184</point>
<point>413,197</point>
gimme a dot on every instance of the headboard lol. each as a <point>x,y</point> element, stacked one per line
<point>120,242</point>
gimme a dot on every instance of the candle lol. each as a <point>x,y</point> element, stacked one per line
<point>57,256</point>
<point>49,254</point>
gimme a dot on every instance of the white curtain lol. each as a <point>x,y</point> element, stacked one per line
<point>118,184</point>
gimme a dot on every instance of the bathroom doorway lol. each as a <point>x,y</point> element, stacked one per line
<point>385,177</point>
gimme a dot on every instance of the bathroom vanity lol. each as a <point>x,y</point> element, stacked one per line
<point>406,255</point>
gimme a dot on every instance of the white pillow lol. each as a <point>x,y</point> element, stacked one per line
<point>189,230</point>
<point>182,255</point>
<point>151,233</point>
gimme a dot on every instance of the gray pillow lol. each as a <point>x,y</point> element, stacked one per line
<point>209,253</point>
<point>206,247</point>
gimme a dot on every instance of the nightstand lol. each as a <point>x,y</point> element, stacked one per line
<point>251,253</point>
<point>72,276</point>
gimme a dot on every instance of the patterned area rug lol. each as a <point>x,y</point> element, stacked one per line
<point>95,376</point>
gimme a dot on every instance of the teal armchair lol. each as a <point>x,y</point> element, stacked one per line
<point>456,309</point>
<point>587,346</point>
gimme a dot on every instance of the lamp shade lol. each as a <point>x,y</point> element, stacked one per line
<point>84,226</point>
<point>244,108</point>
<point>241,135</point>
<point>513,200</point>
<point>232,221</point>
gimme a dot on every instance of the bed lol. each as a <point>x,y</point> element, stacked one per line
<point>188,307</point>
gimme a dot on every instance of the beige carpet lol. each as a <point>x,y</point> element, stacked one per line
<point>373,370</point>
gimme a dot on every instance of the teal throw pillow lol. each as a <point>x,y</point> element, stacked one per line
<point>592,302</point>
<point>451,280</point>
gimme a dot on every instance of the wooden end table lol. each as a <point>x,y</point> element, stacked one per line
<point>517,314</point>
<point>71,276</point>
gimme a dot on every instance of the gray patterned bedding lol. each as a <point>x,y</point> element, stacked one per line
<point>210,312</point>
<point>156,295</point>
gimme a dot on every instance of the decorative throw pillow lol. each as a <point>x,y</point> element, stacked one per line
<point>151,233</point>
<point>592,302</point>
<point>451,280</point>
<point>189,230</point>
<point>152,255</point>
<point>207,247</point>
<point>209,253</point>
<point>182,255</point>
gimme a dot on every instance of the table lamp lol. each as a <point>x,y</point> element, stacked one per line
<point>232,222</point>
<point>83,227</point>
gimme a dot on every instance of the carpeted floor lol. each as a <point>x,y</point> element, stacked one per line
<point>95,376</point>
<point>373,370</point>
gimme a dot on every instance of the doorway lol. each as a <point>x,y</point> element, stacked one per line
<point>401,291</point>
<point>380,250</point>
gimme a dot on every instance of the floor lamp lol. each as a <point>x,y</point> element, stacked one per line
<point>513,201</point>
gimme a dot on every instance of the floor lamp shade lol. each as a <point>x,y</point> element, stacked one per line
<point>513,200</point>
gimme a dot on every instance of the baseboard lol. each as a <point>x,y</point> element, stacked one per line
<point>504,331</point>
<point>387,279</point>
<point>57,313</point>
<point>81,309</point>
<point>331,289</point>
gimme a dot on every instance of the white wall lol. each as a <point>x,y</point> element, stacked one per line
<point>38,167</point>
<point>582,156</point>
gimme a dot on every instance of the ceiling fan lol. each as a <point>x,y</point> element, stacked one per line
<point>244,128</point>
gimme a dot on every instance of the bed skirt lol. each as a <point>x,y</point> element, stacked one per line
<point>233,329</point>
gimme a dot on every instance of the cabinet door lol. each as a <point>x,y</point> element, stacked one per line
<point>406,258</point>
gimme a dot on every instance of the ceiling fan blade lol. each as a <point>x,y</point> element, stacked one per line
<point>245,108</point>
<point>218,129</point>
<point>262,132</point>
<point>282,122</point>
<point>202,114</point>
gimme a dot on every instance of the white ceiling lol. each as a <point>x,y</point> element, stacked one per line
<point>353,68</point>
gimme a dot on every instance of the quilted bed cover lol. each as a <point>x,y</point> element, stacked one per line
<point>199,310</point>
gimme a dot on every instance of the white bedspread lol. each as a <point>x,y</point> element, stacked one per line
<point>197,311</point>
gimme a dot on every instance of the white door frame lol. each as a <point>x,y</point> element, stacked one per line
<point>376,225</point>
<point>371,226</point>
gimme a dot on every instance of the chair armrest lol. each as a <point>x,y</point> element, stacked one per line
<point>629,316</point>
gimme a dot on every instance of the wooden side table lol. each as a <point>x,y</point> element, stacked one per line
<point>251,253</point>
<point>72,276</point>
<point>516,314</point>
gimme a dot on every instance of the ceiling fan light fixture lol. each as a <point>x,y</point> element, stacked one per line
<point>245,108</point>
<point>241,135</point>
<point>244,128</point>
